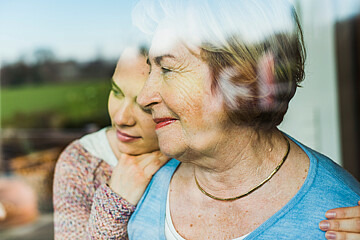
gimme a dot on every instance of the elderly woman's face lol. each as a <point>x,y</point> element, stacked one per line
<point>189,118</point>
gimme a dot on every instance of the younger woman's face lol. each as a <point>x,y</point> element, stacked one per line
<point>134,128</point>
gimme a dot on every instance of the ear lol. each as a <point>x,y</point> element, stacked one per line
<point>266,82</point>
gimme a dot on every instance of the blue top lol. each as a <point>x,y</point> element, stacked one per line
<point>327,186</point>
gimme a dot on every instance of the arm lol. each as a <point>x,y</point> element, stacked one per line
<point>342,223</point>
<point>110,213</point>
<point>78,206</point>
<point>73,191</point>
<point>70,216</point>
<point>129,179</point>
<point>81,214</point>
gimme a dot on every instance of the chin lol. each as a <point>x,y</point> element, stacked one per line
<point>136,149</point>
<point>171,148</point>
<point>172,142</point>
<point>129,149</point>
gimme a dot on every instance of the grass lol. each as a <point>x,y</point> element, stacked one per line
<point>75,101</point>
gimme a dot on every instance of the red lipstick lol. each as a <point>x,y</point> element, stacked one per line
<point>162,122</point>
<point>123,137</point>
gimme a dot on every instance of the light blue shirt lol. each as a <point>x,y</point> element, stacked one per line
<point>327,186</point>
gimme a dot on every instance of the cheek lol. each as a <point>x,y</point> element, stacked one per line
<point>111,106</point>
<point>147,124</point>
<point>184,96</point>
<point>150,134</point>
<point>199,108</point>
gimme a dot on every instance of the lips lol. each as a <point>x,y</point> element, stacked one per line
<point>162,122</point>
<point>123,137</point>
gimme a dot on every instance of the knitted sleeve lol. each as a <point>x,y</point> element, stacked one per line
<point>109,214</point>
<point>81,209</point>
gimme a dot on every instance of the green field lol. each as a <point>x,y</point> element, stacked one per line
<point>64,103</point>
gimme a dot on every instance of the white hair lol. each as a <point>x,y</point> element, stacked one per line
<point>199,21</point>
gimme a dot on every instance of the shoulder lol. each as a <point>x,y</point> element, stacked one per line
<point>77,176</point>
<point>327,186</point>
<point>76,165</point>
<point>334,178</point>
<point>327,177</point>
<point>76,156</point>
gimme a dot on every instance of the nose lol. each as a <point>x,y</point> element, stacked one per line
<point>149,94</point>
<point>124,115</point>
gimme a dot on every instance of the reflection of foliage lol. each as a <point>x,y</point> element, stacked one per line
<point>46,68</point>
<point>46,92</point>
<point>44,55</point>
<point>60,105</point>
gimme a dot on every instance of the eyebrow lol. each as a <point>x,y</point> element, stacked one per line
<point>116,86</point>
<point>158,59</point>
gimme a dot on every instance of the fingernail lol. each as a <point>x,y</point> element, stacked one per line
<point>324,225</point>
<point>330,235</point>
<point>330,214</point>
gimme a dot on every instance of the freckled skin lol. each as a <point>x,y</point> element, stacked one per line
<point>203,138</point>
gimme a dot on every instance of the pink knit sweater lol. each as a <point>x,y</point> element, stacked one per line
<point>84,206</point>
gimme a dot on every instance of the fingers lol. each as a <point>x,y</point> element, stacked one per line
<point>342,236</point>
<point>141,160</point>
<point>156,158</point>
<point>345,221</point>
<point>153,166</point>
<point>348,212</point>
<point>147,163</point>
<point>343,225</point>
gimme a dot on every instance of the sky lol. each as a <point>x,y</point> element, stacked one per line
<point>79,29</point>
<point>82,29</point>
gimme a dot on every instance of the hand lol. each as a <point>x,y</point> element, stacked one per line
<point>342,223</point>
<point>132,174</point>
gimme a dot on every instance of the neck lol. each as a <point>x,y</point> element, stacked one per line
<point>111,136</point>
<point>240,164</point>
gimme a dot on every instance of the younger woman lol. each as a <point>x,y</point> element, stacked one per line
<point>125,156</point>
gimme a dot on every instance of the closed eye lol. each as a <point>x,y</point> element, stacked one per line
<point>146,110</point>
<point>165,70</point>
<point>148,63</point>
<point>117,93</point>
<point>116,90</point>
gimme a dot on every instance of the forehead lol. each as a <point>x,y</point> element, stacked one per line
<point>166,43</point>
<point>131,71</point>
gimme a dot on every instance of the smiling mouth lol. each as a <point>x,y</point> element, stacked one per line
<point>123,137</point>
<point>162,122</point>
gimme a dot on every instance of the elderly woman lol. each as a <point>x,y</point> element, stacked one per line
<point>85,205</point>
<point>222,74</point>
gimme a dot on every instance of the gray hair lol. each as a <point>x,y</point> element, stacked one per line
<point>234,37</point>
